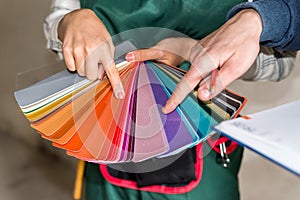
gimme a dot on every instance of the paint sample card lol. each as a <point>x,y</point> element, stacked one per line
<point>85,119</point>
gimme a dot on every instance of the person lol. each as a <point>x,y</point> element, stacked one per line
<point>77,29</point>
<point>235,45</point>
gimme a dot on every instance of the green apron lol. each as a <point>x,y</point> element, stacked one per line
<point>196,19</point>
<point>217,183</point>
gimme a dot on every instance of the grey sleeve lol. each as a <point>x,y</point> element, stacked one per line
<point>271,65</point>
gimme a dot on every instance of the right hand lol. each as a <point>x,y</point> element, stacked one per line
<point>88,48</point>
<point>233,48</point>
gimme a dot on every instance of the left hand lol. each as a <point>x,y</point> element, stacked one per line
<point>171,51</point>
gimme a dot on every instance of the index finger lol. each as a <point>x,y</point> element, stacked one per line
<point>111,69</point>
<point>201,66</point>
<point>115,81</point>
<point>183,88</point>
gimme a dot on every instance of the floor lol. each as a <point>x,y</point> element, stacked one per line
<point>30,170</point>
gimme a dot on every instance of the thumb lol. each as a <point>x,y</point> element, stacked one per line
<point>231,70</point>
<point>210,86</point>
<point>145,54</point>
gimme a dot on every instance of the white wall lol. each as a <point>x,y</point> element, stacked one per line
<point>22,48</point>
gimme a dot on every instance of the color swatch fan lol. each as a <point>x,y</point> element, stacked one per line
<point>84,118</point>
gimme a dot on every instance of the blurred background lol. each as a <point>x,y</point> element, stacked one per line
<point>31,169</point>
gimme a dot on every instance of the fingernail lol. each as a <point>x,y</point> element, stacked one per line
<point>130,57</point>
<point>205,93</point>
<point>119,91</point>
<point>164,110</point>
<point>101,76</point>
<point>212,91</point>
<point>169,107</point>
<point>121,95</point>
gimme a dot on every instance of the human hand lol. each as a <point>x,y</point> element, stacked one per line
<point>232,48</point>
<point>171,51</point>
<point>88,48</point>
